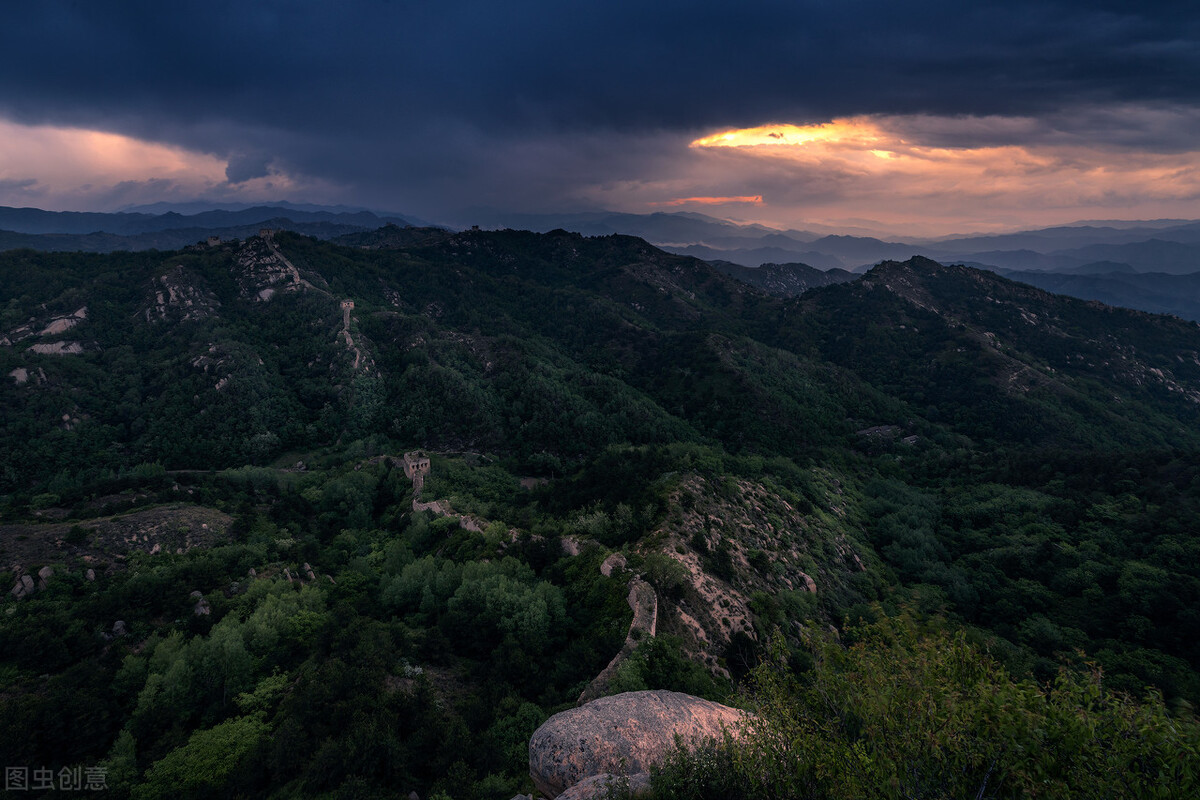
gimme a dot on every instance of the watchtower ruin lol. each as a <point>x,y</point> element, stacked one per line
<point>415,463</point>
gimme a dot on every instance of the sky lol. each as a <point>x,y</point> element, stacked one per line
<point>923,117</point>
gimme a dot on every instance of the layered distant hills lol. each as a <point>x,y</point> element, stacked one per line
<point>1148,266</point>
<point>93,232</point>
<point>1143,265</point>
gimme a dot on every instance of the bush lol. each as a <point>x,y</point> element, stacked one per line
<point>912,711</point>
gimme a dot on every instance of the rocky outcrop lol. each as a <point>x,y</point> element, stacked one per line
<point>45,327</point>
<point>201,607</point>
<point>179,295</point>
<point>58,348</point>
<point>262,270</point>
<point>24,587</point>
<point>625,734</point>
<point>64,323</point>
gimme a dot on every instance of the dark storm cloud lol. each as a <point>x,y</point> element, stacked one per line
<point>468,94</point>
<point>243,167</point>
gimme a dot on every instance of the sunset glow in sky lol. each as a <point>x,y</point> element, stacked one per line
<point>874,167</point>
<point>919,117</point>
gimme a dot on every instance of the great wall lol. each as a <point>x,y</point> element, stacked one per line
<point>641,598</point>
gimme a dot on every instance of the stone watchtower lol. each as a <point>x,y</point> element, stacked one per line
<point>347,307</point>
<point>415,463</point>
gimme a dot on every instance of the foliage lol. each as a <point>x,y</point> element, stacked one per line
<point>908,711</point>
<point>1023,464</point>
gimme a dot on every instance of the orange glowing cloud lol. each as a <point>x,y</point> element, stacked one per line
<point>856,132</point>
<point>911,168</point>
<point>61,156</point>
<point>755,200</point>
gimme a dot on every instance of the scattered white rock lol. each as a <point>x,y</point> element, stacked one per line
<point>202,608</point>
<point>58,348</point>
<point>23,587</point>
<point>809,584</point>
<point>63,324</point>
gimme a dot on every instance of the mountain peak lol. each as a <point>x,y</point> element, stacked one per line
<point>919,264</point>
<point>906,279</point>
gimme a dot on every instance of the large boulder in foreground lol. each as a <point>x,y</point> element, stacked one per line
<point>623,734</point>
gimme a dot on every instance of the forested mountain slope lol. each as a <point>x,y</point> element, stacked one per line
<point>205,446</point>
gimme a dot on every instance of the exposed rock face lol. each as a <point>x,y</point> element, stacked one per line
<point>62,324</point>
<point>765,543</point>
<point>599,786</point>
<point>180,295</point>
<point>623,734</point>
<point>58,348</point>
<point>46,327</point>
<point>262,270</point>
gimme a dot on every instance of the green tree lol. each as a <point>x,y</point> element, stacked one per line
<point>203,767</point>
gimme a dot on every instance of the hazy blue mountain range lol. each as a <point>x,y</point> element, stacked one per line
<point>166,239</point>
<point>34,220</point>
<point>1171,246</point>
<point>1156,292</point>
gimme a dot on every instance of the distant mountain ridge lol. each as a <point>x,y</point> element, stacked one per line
<point>1138,249</point>
<point>784,280</point>
<point>167,239</point>
<point>39,222</point>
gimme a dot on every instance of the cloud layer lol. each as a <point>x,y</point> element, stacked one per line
<point>533,105</point>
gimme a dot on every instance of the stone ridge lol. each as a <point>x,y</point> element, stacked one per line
<point>624,734</point>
